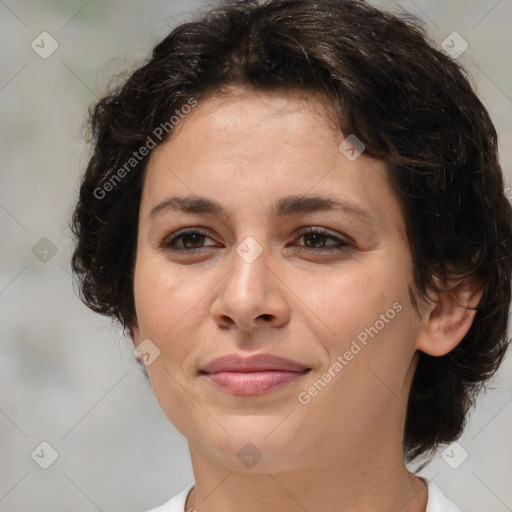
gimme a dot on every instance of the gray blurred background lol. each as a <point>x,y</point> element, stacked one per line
<point>67,376</point>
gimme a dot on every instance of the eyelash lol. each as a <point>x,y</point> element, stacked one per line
<point>342,245</point>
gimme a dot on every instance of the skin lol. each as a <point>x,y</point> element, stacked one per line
<point>343,450</point>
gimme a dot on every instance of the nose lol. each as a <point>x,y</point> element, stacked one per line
<point>250,296</point>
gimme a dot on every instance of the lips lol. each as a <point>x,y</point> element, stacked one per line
<point>252,375</point>
<point>255,363</point>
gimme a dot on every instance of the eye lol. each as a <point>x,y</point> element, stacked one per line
<point>316,238</point>
<point>191,240</point>
<point>185,241</point>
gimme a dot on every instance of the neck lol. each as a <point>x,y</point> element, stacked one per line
<point>324,484</point>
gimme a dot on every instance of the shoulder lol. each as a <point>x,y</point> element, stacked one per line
<point>438,502</point>
<point>176,503</point>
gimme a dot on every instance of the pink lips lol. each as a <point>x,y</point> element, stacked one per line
<point>252,375</point>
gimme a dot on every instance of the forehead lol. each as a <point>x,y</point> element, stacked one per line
<point>239,102</point>
<point>245,124</point>
<point>254,148</point>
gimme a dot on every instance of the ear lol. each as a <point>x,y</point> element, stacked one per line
<point>449,318</point>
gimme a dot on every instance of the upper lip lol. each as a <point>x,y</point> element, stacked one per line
<point>254,363</point>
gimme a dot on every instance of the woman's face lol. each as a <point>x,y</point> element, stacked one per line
<point>258,280</point>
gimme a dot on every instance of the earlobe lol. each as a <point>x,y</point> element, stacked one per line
<point>449,319</point>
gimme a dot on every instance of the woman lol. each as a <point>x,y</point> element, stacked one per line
<point>295,209</point>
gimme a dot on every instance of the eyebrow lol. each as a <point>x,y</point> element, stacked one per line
<point>286,206</point>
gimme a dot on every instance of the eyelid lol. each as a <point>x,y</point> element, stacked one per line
<point>176,235</point>
<point>323,231</point>
<point>341,243</point>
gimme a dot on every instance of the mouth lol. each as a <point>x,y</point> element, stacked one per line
<point>253,375</point>
<point>253,383</point>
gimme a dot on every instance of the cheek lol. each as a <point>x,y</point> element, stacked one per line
<point>162,296</point>
<point>164,304</point>
<point>352,298</point>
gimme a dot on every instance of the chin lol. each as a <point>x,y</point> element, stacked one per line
<point>257,445</point>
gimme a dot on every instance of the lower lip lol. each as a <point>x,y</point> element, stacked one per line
<point>253,383</point>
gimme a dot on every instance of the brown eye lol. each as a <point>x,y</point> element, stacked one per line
<point>190,240</point>
<point>316,240</point>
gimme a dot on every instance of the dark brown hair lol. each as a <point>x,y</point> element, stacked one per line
<point>411,105</point>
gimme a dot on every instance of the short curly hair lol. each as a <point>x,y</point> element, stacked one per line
<point>411,105</point>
